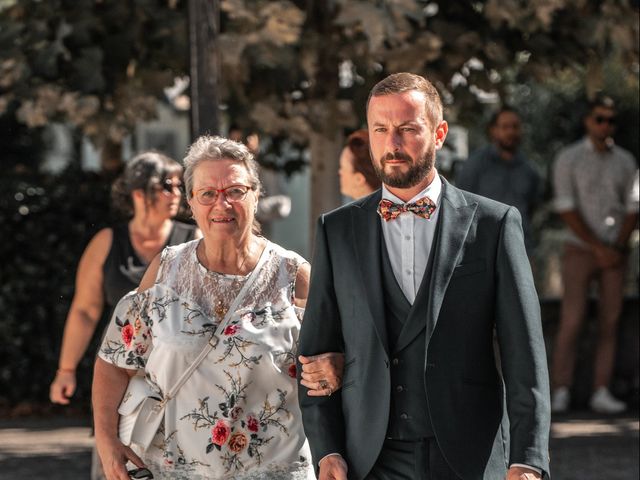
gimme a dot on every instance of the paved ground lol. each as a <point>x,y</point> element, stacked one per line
<point>584,446</point>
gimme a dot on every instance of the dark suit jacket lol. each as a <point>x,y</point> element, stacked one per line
<point>481,282</point>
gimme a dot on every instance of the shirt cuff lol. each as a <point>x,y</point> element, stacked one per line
<point>522,465</point>
<point>329,455</point>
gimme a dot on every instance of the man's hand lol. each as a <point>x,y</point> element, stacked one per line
<point>333,467</point>
<point>522,473</point>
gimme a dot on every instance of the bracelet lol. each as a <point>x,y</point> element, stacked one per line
<point>65,370</point>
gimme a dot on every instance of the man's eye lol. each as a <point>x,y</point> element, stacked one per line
<point>235,192</point>
<point>207,193</point>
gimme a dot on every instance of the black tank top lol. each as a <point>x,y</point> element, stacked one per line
<point>123,269</point>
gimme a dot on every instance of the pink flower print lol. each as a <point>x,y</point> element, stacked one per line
<point>231,330</point>
<point>293,370</point>
<point>127,334</point>
<point>220,432</point>
<point>252,423</point>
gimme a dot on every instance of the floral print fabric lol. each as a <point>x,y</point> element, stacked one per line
<point>237,416</point>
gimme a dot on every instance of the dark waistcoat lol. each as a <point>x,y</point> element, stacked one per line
<point>409,416</point>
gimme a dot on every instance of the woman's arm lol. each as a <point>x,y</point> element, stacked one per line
<point>109,384</point>
<point>83,315</point>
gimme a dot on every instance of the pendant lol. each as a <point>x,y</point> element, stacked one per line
<point>220,310</point>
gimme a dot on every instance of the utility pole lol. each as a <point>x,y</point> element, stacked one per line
<point>204,66</point>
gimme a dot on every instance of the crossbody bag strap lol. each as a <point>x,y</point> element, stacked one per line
<point>213,341</point>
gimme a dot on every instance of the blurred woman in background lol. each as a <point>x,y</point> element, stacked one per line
<point>357,176</point>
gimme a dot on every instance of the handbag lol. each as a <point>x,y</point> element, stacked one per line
<point>142,407</point>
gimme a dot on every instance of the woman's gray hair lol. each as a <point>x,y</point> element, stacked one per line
<point>212,148</point>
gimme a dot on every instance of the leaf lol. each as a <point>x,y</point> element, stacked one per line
<point>371,19</point>
<point>210,447</point>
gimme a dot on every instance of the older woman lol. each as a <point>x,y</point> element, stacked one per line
<point>357,176</point>
<point>237,415</point>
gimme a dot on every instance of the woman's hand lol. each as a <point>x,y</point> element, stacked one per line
<point>114,456</point>
<point>63,387</point>
<point>322,374</point>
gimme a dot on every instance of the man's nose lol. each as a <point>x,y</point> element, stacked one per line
<point>393,142</point>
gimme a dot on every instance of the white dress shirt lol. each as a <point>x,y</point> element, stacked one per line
<point>409,239</point>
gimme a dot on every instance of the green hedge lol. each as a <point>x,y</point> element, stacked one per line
<point>45,223</point>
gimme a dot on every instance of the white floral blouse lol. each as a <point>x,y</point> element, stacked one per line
<point>237,416</point>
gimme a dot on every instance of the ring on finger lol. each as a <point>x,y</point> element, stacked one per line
<point>323,384</point>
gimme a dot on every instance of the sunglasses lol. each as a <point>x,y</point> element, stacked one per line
<point>169,187</point>
<point>140,474</point>
<point>600,119</point>
<point>232,193</point>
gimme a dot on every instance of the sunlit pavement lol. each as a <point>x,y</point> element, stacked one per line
<point>584,446</point>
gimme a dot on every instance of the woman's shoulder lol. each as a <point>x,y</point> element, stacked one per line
<point>288,256</point>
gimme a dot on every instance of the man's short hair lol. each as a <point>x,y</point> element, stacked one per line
<point>602,101</point>
<point>493,121</point>
<point>406,82</point>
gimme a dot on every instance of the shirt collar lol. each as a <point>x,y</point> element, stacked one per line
<point>433,191</point>
<point>589,144</point>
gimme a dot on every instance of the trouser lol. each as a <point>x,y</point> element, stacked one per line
<point>411,460</point>
<point>578,269</point>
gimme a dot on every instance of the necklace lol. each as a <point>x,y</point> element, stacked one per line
<point>221,307</point>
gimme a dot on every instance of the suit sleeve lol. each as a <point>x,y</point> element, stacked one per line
<point>522,351</point>
<point>321,332</point>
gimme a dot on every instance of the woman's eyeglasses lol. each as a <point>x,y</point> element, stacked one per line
<point>233,193</point>
<point>169,187</point>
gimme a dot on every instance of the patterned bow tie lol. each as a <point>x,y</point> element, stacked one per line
<point>388,210</point>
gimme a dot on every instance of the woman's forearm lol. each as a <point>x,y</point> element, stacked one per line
<point>78,330</point>
<point>109,384</point>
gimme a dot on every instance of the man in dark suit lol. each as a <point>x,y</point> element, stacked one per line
<point>413,283</point>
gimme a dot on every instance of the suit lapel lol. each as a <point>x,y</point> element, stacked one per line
<point>367,235</point>
<point>456,219</point>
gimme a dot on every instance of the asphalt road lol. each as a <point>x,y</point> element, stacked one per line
<point>584,446</point>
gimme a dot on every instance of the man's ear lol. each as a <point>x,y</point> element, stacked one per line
<point>441,134</point>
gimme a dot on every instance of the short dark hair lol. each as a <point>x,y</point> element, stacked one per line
<point>358,144</point>
<point>602,101</point>
<point>493,121</point>
<point>406,82</point>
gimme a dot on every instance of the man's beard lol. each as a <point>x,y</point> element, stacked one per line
<point>418,170</point>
